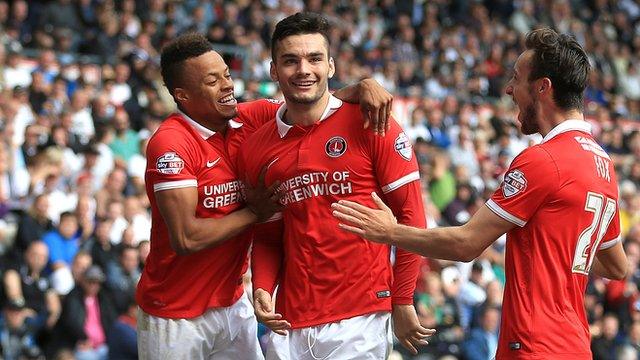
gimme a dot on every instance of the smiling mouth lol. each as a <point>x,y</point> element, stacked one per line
<point>304,84</point>
<point>228,100</point>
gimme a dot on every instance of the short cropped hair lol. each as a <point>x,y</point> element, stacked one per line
<point>300,24</point>
<point>560,58</point>
<point>175,53</point>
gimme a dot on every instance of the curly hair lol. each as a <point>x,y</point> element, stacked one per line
<point>175,53</point>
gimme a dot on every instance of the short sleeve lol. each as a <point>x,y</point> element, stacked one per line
<point>170,160</point>
<point>254,114</point>
<point>527,183</point>
<point>394,161</point>
<point>612,236</point>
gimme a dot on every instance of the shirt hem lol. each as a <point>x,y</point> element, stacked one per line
<point>218,303</point>
<point>336,318</point>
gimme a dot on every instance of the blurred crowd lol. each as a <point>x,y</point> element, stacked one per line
<point>81,92</point>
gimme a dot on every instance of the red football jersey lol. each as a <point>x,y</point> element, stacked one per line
<point>327,274</point>
<point>180,154</point>
<point>562,194</point>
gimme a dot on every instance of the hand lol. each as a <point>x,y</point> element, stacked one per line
<point>263,201</point>
<point>265,313</point>
<point>375,104</point>
<point>372,224</point>
<point>407,328</point>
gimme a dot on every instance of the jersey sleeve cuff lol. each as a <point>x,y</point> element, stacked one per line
<point>609,243</point>
<point>168,185</point>
<point>493,206</point>
<point>401,182</point>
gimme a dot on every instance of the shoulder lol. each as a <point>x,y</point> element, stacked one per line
<point>258,112</point>
<point>537,158</point>
<point>264,134</point>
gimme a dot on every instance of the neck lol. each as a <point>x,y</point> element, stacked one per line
<point>211,124</point>
<point>306,114</point>
<point>552,117</point>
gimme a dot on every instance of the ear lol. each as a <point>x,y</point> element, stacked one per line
<point>332,67</point>
<point>543,85</point>
<point>273,72</point>
<point>180,94</point>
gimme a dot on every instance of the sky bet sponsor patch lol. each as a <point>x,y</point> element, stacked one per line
<point>514,183</point>
<point>403,146</point>
<point>169,163</point>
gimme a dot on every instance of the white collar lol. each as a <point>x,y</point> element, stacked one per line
<point>203,131</point>
<point>283,128</point>
<point>568,125</point>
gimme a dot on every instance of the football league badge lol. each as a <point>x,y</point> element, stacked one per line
<point>514,183</point>
<point>403,146</point>
<point>169,163</point>
<point>336,146</point>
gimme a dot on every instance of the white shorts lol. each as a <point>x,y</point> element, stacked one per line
<point>220,333</point>
<point>361,337</point>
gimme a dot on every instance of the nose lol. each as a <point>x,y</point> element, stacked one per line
<point>227,83</point>
<point>304,67</point>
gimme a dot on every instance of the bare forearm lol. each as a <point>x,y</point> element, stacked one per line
<point>203,233</point>
<point>447,243</point>
<point>350,93</point>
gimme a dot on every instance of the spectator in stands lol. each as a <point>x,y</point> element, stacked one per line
<point>26,283</point>
<point>87,315</point>
<point>122,340</point>
<point>64,242</point>
<point>482,342</point>
<point>33,224</point>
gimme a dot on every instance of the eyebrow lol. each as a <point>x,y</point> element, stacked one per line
<point>226,70</point>
<point>312,54</point>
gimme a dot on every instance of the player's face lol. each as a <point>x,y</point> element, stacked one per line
<point>208,88</point>
<point>302,68</point>
<point>522,93</point>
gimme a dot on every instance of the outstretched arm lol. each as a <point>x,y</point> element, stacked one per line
<point>459,243</point>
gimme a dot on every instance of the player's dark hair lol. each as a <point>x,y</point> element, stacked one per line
<point>175,53</point>
<point>560,58</point>
<point>300,24</point>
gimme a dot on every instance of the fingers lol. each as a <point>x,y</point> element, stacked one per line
<point>273,187</point>
<point>347,218</point>
<point>425,332</point>
<point>381,205</point>
<point>389,110</point>
<point>263,173</point>
<point>382,120</point>
<point>407,344</point>
<point>351,229</point>
<point>352,205</point>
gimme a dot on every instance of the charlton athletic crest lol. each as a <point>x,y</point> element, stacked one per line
<point>403,146</point>
<point>169,163</point>
<point>514,183</point>
<point>336,146</point>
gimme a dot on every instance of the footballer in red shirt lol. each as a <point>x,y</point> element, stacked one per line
<point>558,204</point>
<point>332,285</point>
<point>191,291</point>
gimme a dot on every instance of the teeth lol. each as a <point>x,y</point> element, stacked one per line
<point>227,99</point>
<point>304,83</point>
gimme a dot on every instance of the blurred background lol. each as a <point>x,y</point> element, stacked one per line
<point>81,92</point>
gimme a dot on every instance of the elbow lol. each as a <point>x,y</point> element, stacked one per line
<point>619,273</point>
<point>468,255</point>
<point>181,245</point>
